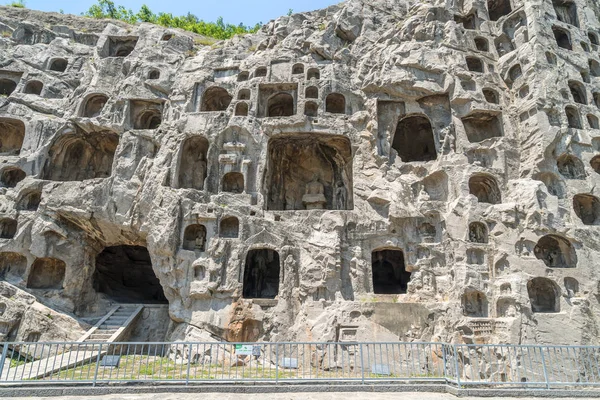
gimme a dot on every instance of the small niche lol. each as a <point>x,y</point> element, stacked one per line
<point>121,46</point>
<point>485,188</point>
<point>570,167</point>
<point>34,87</point>
<point>313,73</point>
<point>482,44</point>
<point>491,96</point>
<point>563,38</point>
<point>311,92</point>
<point>587,208</point>
<point>59,65</point>
<point>146,114</point>
<point>260,72</point>
<point>480,126</point>
<point>474,64</point>
<point>244,94</point>
<point>311,109</point>
<point>11,176</point>
<point>298,69</point>
<point>241,109</point>
<point>573,117</point>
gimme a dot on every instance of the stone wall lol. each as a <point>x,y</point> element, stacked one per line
<point>397,170</point>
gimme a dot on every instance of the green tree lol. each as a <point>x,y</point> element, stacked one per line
<point>189,22</point>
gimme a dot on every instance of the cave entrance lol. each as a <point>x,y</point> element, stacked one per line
<point>125,274</point>
<point>389,272</point>
<point>261,274</point>
<point>414,139</point>
<point>308,172</point>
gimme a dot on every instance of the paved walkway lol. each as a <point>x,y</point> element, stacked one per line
<point>278,396</point>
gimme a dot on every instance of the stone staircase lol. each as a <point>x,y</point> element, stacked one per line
<point>114,325</point>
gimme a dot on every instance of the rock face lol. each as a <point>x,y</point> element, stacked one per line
<point>397,170</point>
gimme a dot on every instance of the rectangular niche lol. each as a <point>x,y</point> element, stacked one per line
<point>120,46</point>
<point>146,114</point>
<point>307,171</point>
<point>480,126</point>
<point>277,100</point>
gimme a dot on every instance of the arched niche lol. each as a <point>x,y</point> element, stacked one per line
<point>570,167</point>
<point>194,238</point>
<point>478,232</point>
<point>243,76</point>
<point>8,228</point>
<point>414,140</point>
<point>260,72</point>
<point>593,121</point>
<point>146,114</point>
<point>34,87</point>
<point>556,252</point>
<point>233,182</point>
<point>311,109</point>
<point>244,94</point>
<point>562,37</point>
<point>78,156</point>
<point>335,103</point>
<point>573,117</point>
<point>595,164</point>
<point>309,171</point>
<point>261,274</point>
<point>389,272</point>
<point>215,99</point>
<point>475,304</point>
<point>12,134</point>
<point>125,275</point>
<point>311,92</point>
<point>94,105</point>
<point>313,73</point>
<point>30,201</point>
<point>485,188</point>
<point>587,208</point>
<point>281,105</point>
<point>59,65</point>
<point>46,273</point>
<point>154,74</point>
<point>121,46</point>
<point>193,163</point>
<point>298,69</point>
<point>11,176</point>
<point>571,287</point>
<point>578,92</point>
<point>544,295</point>
<point>12,267</point>
<point>229,228</point>
<point>241,109</point>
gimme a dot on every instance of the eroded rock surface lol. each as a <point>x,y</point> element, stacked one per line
<point>390,170</point>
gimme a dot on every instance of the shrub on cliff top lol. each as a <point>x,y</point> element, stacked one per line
<point>189,22</point>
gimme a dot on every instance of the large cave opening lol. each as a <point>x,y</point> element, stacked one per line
<point>125,274</point>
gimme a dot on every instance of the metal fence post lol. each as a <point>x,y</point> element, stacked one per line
<point>456,365</point>
<point>3,360</point>
<point>444,360</point>
<point>544,367</point>
<point>362,367</point>
<point>276,363</point>
<point>97,365</point>
<point>189,364</point>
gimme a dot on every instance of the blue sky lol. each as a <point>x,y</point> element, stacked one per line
<point>232,11</point>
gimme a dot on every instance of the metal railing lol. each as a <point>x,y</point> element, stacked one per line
<point>523,366</point>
